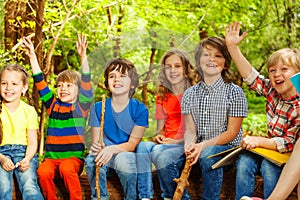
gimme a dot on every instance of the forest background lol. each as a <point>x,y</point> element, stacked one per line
<point>142,31</point>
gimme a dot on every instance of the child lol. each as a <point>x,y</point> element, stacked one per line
<point>289,178</point>
<point>213,110</point>
<point>124,125</point>
<point>176,75</point>
<point>282,112</point>
<point>18,135</point>
<point>64,157</point>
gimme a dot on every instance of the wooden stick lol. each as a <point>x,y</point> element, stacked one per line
<point>182,182</point>
<point>100,142</point>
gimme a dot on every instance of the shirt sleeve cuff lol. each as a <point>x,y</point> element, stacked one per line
<point>252,76</point>
<point>280,144</point>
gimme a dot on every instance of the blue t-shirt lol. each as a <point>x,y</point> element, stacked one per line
<point>118,125</point>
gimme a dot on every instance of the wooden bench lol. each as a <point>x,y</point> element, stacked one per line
<point>195,188</point>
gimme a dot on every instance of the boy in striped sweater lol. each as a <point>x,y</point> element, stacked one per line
<point>64,156</point>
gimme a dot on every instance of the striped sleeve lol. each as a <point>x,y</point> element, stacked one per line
<point>46,95</point>
<point>86,94</point>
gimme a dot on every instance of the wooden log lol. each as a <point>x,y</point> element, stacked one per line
<point>195,189</point>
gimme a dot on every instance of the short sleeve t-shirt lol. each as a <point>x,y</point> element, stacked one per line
<point>118,125</point>
<point>169,109</point>
<point>16,124</point>
<point>210,107</point>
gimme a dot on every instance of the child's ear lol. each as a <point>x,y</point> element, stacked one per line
<point>24,90</point>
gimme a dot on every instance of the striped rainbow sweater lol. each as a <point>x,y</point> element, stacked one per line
<point>65,135</point>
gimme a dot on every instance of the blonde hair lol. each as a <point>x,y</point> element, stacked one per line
<point>69,76</point>
<point>288,56</point>
<point>191,75</point>
<point>24,78</point>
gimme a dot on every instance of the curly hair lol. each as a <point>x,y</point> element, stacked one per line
<point>191,75</point>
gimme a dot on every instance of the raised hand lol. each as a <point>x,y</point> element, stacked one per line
<point>232,36</point>
<point>28,45</point>
<point>81,45</point>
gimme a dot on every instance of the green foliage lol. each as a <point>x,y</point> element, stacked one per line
<point>255,124</point>
<point>256,103</point>
<point>140,26</point>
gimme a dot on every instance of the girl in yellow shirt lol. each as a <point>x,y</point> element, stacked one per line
<point>18,135</point>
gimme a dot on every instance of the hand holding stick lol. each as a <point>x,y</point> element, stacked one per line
<point>101,143</point>
<point>182,182</point>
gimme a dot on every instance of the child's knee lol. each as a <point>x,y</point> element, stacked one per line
<point>44,172</point>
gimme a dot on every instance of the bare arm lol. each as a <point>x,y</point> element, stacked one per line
<point>30,150</point>
<point>107,152</point>
<point>32,56</point>
<point>233,38</point>
<point>250,142</point>
<point>233,128</point>
<point>289,177</point>
<point>190,135</point>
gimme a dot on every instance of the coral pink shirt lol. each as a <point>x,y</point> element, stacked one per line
<point>169,109</point>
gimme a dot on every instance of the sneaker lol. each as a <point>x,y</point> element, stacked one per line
<point>250,198</point>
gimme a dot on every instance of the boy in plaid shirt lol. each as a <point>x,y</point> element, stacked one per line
<point>282,112</point>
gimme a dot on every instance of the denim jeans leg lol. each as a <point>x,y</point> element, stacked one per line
<point>247,167</point>
<point>169,161</point>
<point>144,169</point>
<point>91,174</point>
<point>125,166</point>
<point>5,184</point>
<point>211,178</point>
<point>28,182</point>
<point>270,173</point>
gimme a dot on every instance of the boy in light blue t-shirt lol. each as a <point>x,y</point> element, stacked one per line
<point>125,120</point>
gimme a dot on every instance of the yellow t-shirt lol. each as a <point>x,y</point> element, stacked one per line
<point>15,125</point>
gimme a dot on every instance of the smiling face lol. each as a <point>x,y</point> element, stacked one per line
<point>67,92</point>
<point>174,71</point>
<point>119,83</point>
<point>212,62</point>
<point>279,75</point>
<point>12,86</point>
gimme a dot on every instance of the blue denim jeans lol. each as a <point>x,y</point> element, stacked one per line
<point>144,169</point>
<point>124,165</point>
<point>211,178</point>
<point>27,180</point>
<point>247,167</point>
<point>169,161</point>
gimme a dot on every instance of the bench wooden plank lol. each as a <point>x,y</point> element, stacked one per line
<point>195,188</point>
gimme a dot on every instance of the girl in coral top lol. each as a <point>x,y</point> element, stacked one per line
<point>176,75</point>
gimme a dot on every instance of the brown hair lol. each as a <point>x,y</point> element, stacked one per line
<point>289,57</point>
<point>25,77</point>
<point>191,75</point>
<point>220,44</point>
<point>124,66</point>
